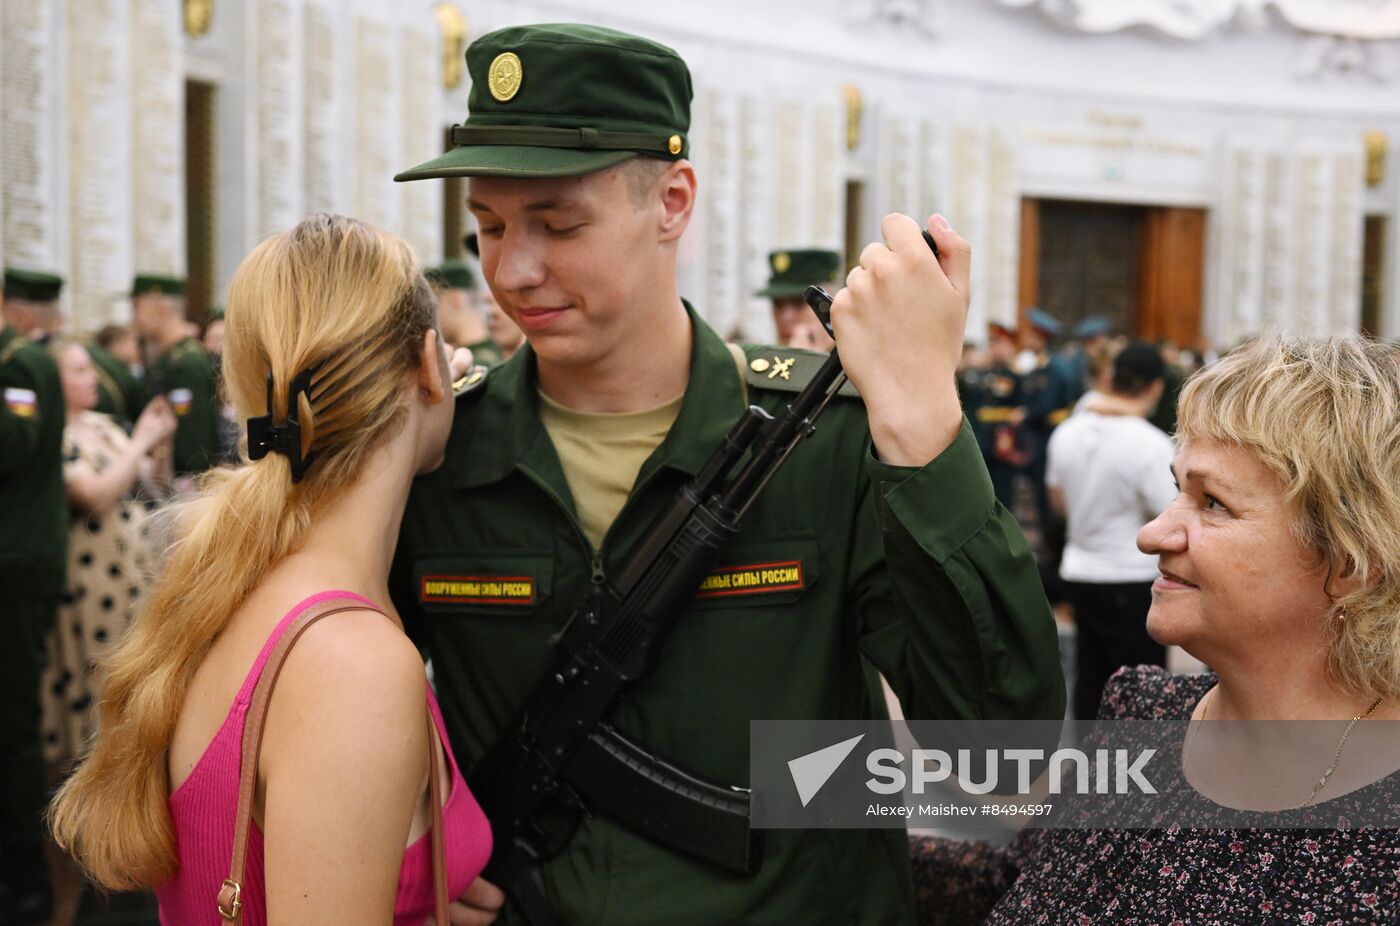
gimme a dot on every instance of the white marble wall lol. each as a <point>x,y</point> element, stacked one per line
<point>156,109</point>
<point>318,104</point>
<point>28,143</point>
<point>277,117</point>
<point>99,158</point>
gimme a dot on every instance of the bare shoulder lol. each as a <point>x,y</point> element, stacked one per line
<point>352,651</point>
<point>352,678</point>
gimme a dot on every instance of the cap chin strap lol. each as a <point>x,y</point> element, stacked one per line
<point>582,138</point>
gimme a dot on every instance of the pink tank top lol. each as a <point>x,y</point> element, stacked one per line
<point>204,806</point>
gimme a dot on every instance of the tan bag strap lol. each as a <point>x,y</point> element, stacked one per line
<point>230,898</point>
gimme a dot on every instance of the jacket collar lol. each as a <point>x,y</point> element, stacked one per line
<point>504,432</point>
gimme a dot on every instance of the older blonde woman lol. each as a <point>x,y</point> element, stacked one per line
<point>1280,568</point>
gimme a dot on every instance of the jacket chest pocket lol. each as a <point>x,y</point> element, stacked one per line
<point>484,583</point>
<point>761,572</point>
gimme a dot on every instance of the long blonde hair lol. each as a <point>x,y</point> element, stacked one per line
<point>1324,415</point>
<point>334,294</point>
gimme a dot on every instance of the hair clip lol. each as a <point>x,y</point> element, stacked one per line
<point>283,438</point>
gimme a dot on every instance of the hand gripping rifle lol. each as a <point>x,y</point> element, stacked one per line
<point>561,757</point>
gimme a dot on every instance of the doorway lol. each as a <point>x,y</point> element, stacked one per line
<point>1142,267</point>
<point>200,217</point>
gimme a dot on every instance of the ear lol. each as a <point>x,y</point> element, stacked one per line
<point>1344,578</point>
<point>432,369</point>
<point>677,189</point>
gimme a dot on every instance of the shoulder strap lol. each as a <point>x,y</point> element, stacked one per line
<point>13,347</point>
<point>230,899</point>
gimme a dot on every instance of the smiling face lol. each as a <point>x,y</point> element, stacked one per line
<point>576,262</point>
<point>1235,579</point>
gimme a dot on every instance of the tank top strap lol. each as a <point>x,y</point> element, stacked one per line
<point>245,694</point>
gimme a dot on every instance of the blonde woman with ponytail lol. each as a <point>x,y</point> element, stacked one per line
<point>332,353</point>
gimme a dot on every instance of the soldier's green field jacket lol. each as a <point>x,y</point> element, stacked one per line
<point>120,393</point>
<point>184,374</point>
<point>917,569</point>
<point>33,507</point>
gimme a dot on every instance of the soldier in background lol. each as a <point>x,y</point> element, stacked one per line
<point>31,304</point>
<point>121,393</point>
<point>33,554</point>
<point>179,369</point>
<point>229,429</point>
<point>1089,336</point>
<point>792,273</point>
<point>994,406</point>
<point>458,315</point>
<point>1049,391</point>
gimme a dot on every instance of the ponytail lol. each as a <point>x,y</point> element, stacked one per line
<point>330,288</point>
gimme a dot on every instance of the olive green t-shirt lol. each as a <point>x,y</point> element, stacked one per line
<point>601,454</point>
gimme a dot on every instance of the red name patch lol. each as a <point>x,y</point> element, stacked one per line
<point>758,579</point>
<point>477,590</point>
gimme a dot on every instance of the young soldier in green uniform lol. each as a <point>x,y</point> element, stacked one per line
<point>33,555</point>
<point>458,314</point>
<point>792,273</point>
<point>180,370</point>
<point>562,456</point>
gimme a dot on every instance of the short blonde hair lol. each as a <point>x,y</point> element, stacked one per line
<point>1324,415</point>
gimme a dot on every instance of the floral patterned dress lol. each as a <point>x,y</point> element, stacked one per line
<point>1172,876</point>
<point>110,559</point>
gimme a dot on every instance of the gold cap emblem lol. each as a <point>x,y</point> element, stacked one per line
<point>781,262</point>
<point>673,144</point>
<point>505,75</point>
<point>759,366</point>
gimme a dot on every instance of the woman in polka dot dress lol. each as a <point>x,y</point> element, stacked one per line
<point>108,477</point>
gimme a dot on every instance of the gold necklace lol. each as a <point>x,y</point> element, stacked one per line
<point>1336,756</point>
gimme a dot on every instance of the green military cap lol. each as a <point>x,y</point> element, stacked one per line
<point>451,274</point>
<point>559,100</point>
<point>794,271</point>
<point>216,313</point>
<point>158,285</point>
<point>33,285</point>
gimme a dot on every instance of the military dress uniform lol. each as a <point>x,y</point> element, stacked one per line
<point>991,403</point>
<point>33,554</point>
<point>185,375</point>
<point>915,569</point>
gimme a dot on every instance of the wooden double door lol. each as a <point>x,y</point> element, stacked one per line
<point>1142,267</point>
